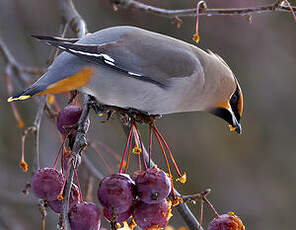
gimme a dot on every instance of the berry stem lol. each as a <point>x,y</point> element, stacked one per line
<point>168,149</point>
<point>15,112</point>
<point>65,180</point>
<point>125,148</point>
<point>150,145</point>
<point>108,167</point>
<point>77,181</point>
<point>163,153</point>
<point>141,144</point>
<point>211,206</point>
<point>128,156</point>
<point>201,215</point>
<point>139,162</point>
<point>43,223</point>
<point>58,154</point>
<point>109,150</point>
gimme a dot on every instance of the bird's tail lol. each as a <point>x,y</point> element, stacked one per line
<point>31,91</point>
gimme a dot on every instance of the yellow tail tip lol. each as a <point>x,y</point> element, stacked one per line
<point>24,97</point>
<point>10,99</point>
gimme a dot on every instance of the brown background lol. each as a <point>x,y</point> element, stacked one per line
<point>252,174</point>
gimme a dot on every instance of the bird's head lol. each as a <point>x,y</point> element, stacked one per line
<point>231,110</point>
<point>228,103</point>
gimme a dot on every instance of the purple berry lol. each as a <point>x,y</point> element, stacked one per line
<point>152,216</point>
<point>153,185</point>
<point>227,221</point>
<point>115,192</point>
<point>47,183</point>
<point>117,217</point>
<point>84,216</point>
<point>56,204</point>
<point>68,117</point>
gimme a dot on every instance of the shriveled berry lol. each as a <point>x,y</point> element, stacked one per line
<point>116,217</point>
<point>227,221</point>
<point>47,183</point>
<point>152,216</point>
<point>68,117</point>
<point>56,204</point>
<point>84,216</point>
<point>115,192</point>
<point>153,185</point>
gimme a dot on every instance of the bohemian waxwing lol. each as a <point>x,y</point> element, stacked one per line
<point>128,67</point>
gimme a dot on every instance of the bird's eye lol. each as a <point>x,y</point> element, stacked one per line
<point>234,99</point>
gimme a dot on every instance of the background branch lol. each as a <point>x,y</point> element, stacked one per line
<point>135,5</point>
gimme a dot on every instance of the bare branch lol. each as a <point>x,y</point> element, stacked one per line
<point>79,145</point>
<point>135,5</point>
<point>71,16</point>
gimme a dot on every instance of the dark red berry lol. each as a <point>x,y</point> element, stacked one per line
<point>227,221</point>
<point>153,185</point>
<point>68,118</point>
<point>84,216</point>
<point>116,217</point>
<point>56,204</point>
<point>47,183</point>
<point>115,192</point>
<point>152,216</point>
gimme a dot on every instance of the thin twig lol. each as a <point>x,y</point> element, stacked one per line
<point>37,121</point>
<point>92,169</point>
<point>70,15</point>
<point>135,5</point>
<point>13,68</point>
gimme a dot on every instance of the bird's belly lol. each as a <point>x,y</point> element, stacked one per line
<point>116,89</point>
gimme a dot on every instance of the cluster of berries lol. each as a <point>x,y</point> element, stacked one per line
<point>142,198</point>
<point>47,184</point>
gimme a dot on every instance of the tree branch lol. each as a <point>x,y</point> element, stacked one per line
<point>79,145</point>
<point>135,5</point>
<point>70,15</point>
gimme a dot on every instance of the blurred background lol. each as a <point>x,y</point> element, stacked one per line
<point>252,174</point>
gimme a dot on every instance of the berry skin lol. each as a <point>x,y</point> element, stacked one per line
<point>84,216</point>
<point>152,216</point>
<point>56,204</point>
<point>227,221</point>
<point>116,192</point>
<point>118,217</point>
<point>47,183</point>
<point>68,117</point>
<point>153,185</point>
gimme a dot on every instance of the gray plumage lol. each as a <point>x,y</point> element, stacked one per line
<point>143,70</point>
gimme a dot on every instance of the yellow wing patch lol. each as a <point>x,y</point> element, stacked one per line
<point>73,82</point>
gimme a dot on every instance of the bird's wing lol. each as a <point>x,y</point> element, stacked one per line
<point>150,59</point>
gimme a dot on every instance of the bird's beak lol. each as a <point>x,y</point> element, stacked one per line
<point>236,126</point>
<point>227,114</point>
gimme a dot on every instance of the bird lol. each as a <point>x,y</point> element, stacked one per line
<point>132,68</point>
